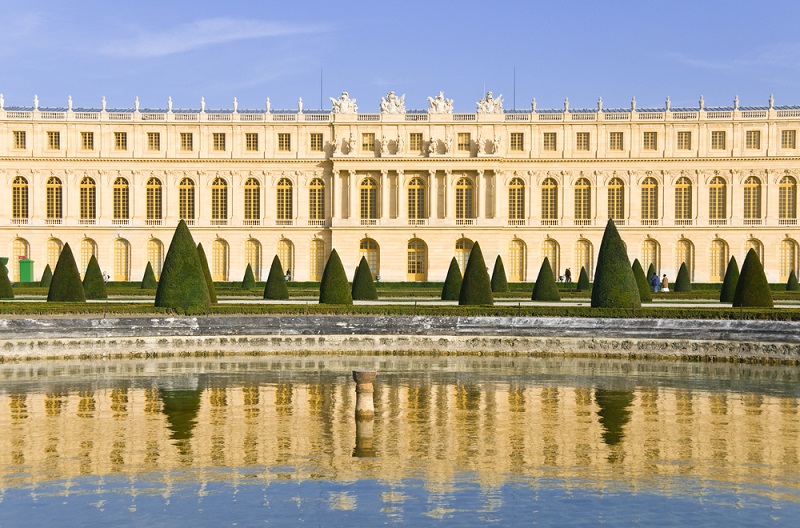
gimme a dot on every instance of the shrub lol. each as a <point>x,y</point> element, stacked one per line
<point>47,277</point>
<point>212,292</point>
<point>334,288</point>
<point>645,294</point>
<point>276,288</point>
<point>651,270</point>
<point>182,284</point>
<point>149,281</point>
<point>792,284</point>
<point>452,284</point>
<point>545,288</point>
<point>752,290</point>
<point>683,283</point>
<point>499,281</point>
<point>476,288</point>
<point>249,280</point>
<point>6,290</point>
<point>94,285</point>
<point>583,281</point>
<point>730,281</point>
<point>363,285</point>
<point>66,284</point>
<point>614,283</point>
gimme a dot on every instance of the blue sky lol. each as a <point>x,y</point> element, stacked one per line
<point>257,49</point>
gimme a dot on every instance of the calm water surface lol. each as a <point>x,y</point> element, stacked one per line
<point>455,441</point>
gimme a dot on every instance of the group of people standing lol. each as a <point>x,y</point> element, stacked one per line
<point>656,284</point>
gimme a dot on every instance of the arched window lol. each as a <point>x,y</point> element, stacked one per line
<point>316,200</point>
<point>283,205</point>
<point>550,250</point>
<point>683,200</point>
<point>650,201</point>
<point>417,261</point>
<point>155,255</point>
<point>88,200</point>
<point>55,200</point>
<point>719,260</point>
<point>317,254</point>
<point>369,249</point>
<point>122,260</point>
<point>584,256</point>
<point>787,201</point>
<point>219,202</point>
<point>756,246</point>
<point>121,200</point>
<point>752,201</point>
<point>717,201</point>
<point>517,252</point>
<point>369,199</point>
<point>19,199</point>
<point>684,254</point>
<point>252,202</point>
<point>20,250</point>
<point>651,254</point>
<point>465,199</point>
<point>416,199</point>
<point>550,201</point>
<point>219,260</point>
<point>788,258</point>
<point>54,247</point>
<point>583,202</point>
<point>88,249</point>
<point>616,200</point>
<point>252,256</point>
<point>186,200</point>
<point>463,250</point>
<point>516,201</point>
<point>286,255</point>
<point>153,205</point>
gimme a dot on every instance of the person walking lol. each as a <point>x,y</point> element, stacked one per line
<point>568,275</point>
<point>654,283</point>
<point>664,284</point>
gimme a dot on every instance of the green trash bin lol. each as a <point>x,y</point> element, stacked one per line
<point>25,270</point>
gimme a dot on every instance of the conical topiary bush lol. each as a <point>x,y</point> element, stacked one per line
<point>476,287</point>
<point>545,288</point>
<point>363,285</point>
<point>452,283</point>
<point>182,284</point>
<point>249,280</point>
<point>792,284</point>
<point>752,290</point>
<point>212,291</point>
<point>66,284</point>
<point>651,270</point>
<point>614,283</point>
<point>645,295</point>
<point>47,277</point>
<point>583,281</point>
<point>149,281</point>
<point>499,280</point>
<point>730,281</point>
<point>276,288</point>
<point>683,283</point>
<point>334,288</point>
<point>6,289</point>
<point>94,285</point>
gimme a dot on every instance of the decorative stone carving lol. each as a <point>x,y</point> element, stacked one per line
<point>668,104</point>
<point>432,146</point>
<point>490,105</point>
<point>343,105</point>
<point>401,145</point>
<point>136,104</point>
<point>202,104</point>
<point>335,145</point>
<point>169,104</point>
<point>384,146</point>
<point>533,105</point>
<point>69,103</point>
<point>391,104</point>
<point>496,145</point>
<point>268,105</point>
<point>102,104</point>
<point>566,105</point>
<point>351,144</point>
<point>633,104</point>
<point>440,105</point>
<point>448,145</point>
<point>235,105</point>
<point>300,105</point>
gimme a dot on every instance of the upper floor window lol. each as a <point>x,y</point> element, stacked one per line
<point>582,141</point>
<point>650,199</point>
<point>583,199</point>
<point>787,198</point>
<point>717,199</point>
<point>752,198</point>
<point>718,140</point>
<point>88,196</point>
<point>368,142</point>
<point>186,199</point>
<point>517,141</point>
<point>616,199</point>
<point>219,199</point>
<point>549,141</point>
<point>650,141</point>
<point>753,139</point>
<point>416,199</point>
<point>465,200</point>
<point>549,199</point>
<point>218,139</point>
<point>153,201</point>
<point>615,140</point>
<point>19,198</point>
<point>369,198</point>
<point>316,199</point>
<point>251,141</point>
<point>789,139</point>
<point>120,141</point>
<point>464,141</point>
<point>54,140</point>
<point>284,200</point>
<point>87,140</point>
<point>252,199</point>
<point>121,199</point>
<point>683,199</point>
<point>154,141</point>
<point>316,142</point>
<point>284,142</point>
<point>415,141</point>
<point>516,199</point>
<point>187,142</point>
<point>684,141</point>
<point>19,139</point>
<point>54,198</point>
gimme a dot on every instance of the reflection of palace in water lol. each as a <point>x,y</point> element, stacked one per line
<point>430,428</point>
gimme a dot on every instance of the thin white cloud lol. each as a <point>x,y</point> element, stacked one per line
<point>779,55</point>
<point>198,34</point>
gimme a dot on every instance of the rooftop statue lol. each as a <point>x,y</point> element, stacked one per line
<point>202,104</point>
<point>391,104</point>
<point>440,105</point>
<point>69,103</point>
<point>300,105</point>
<point>235,105</point>
<point>343,105</point>
<point>2,102</point>
<point>169,104</point>
<point>490,105</point>
<point>103,103</point>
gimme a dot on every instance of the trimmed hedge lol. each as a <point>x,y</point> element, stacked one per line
<point>334,288</point>
<point>66,285</point>
<point>753,291</point>
<point>645,293</point>
<point>683,283</point>
<point>545,288</point>
<point>792,284</point>
<point>182,285</point>
<point>614,283</point>
<point>149,281</point>
<point>728,291</point>
<point>249,280</point>
<point>276,288</point>
<point>651,270</point>
<point>583,281</point>
<point>47,277</point>
<point>452,284</point>
<point>363,285</point>
<point>499,280</point>
<point>212,292</point>
<point>94,285</point>
<point>6,290</point>
<point>476,287</point>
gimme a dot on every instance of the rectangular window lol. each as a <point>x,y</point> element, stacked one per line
<point>463,141</point>
<point>650,141</point>
<point>718,140</point>
<point>218,139</point>
<point>753,139</point>
<point>54,140</point>
<point>368,142</point>
<point>415,141</point>
<point>517,141</point>
<point>549,141</point>
<point>582,141</point>
<point>615,141</point>
<point>284,142</point>
<point>316,142</point>
<point>19,139</point>
<point>120,141</point>
<point>684,141</point>
<point>87,140</point>
<point>788,139</point>
<point>154,141</point>
<point>187,142</point>
<point>251,141</point>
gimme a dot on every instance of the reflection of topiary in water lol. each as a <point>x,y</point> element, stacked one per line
<point>66,285</point>
<point>452,284</point>
<point>683,283</point>
<point>752,290</point>
<point>476,287</point>
<point>614,412</point>
<point>499,280</point>
<point>641,281</point>
<point>730,281</point>
<point>94,285</point>
<point>545,288</point>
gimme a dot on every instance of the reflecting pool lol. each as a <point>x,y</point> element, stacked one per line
<point>455,441</point>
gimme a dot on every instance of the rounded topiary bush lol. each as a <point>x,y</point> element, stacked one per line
<point>792,284</point>
<point>363,285</point>
<point>212,291</point>
<point>545,288</point>
<point>476,287</point>
<point>645,294</point>
<point>728,291</point>
<point>499,280</point>
<point>6,289</point>
<point>583,281</point>
<point>66,285</point>
<point>614,283</point>
<point>276,288</point>
<point>651,270</point>
<point>249,280</point>
<point>752,290</point>
<point>94,285</point>
<point>452,283</point>
<point>149,281</point>
<point>334,288</point>
<point>182,284</point>
<point>683,283</point>
<point>47,277</point>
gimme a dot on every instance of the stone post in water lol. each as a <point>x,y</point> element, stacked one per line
<point>365,413</point>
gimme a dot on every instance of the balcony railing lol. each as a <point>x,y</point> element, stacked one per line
<point>251,223</point>
<point>120,221</point>
<point>289,222</point>
<point>718,222</point>
<point>87,221</point>
<point>752,221</point>
<point>53,221</point>
<point>582,222</point>
<point>684,222</point>
<point>219,222</point>
<point>651,222</point>
<point>787,221</point>
<point>417,221</point>
<point>369,221</point>
<point>521,222</point>
<point>154,222</point>
<point>465,221</point>
<point>544,222</point>
<point>19,221</point>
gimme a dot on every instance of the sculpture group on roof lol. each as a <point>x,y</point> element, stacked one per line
<point>440,105</point>
<point>391,104</point>
<point>343,105</point>
<point>490,105</point>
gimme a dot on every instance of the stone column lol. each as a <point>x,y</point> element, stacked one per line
<point>479,188</point>
<point>334,195</point>
<point>402,196</point>
<point>433,196</point>
<point>365,407</point>
<point>449,197</point>
<point>384,198</point>
<point>352,205</point>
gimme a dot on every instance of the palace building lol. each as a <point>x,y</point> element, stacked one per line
<point>407,189</point>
